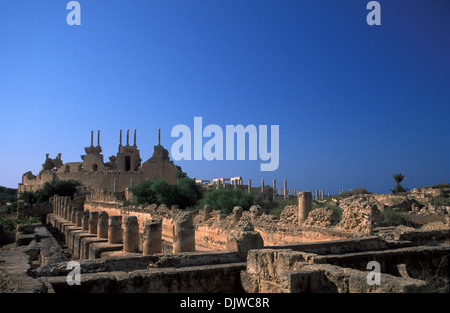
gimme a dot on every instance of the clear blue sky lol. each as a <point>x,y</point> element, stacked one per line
<point>355,103</point>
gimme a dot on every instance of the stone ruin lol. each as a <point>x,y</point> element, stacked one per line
<point>122,171</point>
<point>160,249</point>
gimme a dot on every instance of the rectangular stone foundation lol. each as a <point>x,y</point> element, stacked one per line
<point>207,278</point>
<point>77,243</point>
<point>97,248</point>
<point>85,243</point>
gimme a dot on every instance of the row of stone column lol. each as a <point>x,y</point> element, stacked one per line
<point>104,226</point>
<point>110,227</point>
<point>283,191</point>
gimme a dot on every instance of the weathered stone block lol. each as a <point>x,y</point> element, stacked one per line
<point>243,239</point>
<point>184,233</point>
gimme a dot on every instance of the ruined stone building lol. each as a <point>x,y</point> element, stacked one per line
<point>122,171</point>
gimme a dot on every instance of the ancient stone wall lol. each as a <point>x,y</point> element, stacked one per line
<point>211,233</point>
<point>103,180</point>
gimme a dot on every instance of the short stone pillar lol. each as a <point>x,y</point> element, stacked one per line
<point>64,209</point>
<point>262,185</point>
<point>66,205</point>
<point>93,220</point>
<point>237,213</point>
<point>115,229</point>
<point>304,206</point>
<point>79,218</point>
<point>184,233</point>
<point>130,234</point>
<point>249,186</point>
<point>206,212</point>
<point>68,212</point>
<point>152,237</point>
<point>85,221</point>
<point>59,206</point>
<point>285,191</point>
<point>53,202</point>
<point>73,216</point>
<point>102,225</point>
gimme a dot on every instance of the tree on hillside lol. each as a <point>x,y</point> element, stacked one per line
<point>398,179</point>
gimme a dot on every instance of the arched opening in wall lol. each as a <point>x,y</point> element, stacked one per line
<point>80,168</point>
<point>67,169</point>
<point>94,168</point>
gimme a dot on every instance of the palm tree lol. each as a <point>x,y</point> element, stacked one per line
<point>399,177</point>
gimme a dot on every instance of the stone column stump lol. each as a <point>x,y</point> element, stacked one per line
<point>184,233</point>
<point>130,234</point>
<point>93,220</point>
<point>115,229</point>
<point>102,225</point>
<point>304,206</point>
<point>152,237</point>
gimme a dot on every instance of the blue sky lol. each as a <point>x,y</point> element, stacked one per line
<point>355,103</point>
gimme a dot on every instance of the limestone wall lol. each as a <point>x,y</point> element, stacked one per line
<point>103,180</point>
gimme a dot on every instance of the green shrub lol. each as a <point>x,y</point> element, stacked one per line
<point>29,220</point>
<point>185,193</point>
<point>441,201</point>
<point>28,197</point>
<point>64,188</point>
<point>226,199</point>
<point>7,194</point>
<point>338,211</point>
<point>441,186</point>
<point>8,225</point>
<point>389,217</point>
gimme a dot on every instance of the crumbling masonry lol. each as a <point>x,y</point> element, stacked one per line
<point>161,249</point>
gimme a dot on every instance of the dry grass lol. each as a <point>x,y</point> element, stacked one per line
<point>439,280</point>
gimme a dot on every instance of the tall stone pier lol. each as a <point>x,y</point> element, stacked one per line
<point>184,233</point>
<point>130,234</point>
<point>102,225</point>
<point>85,221</point>
<point>115,229</point>
<point>79,218</point>
<point>152,237</point>
<point>304,206</point>
<point>93,220</point>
